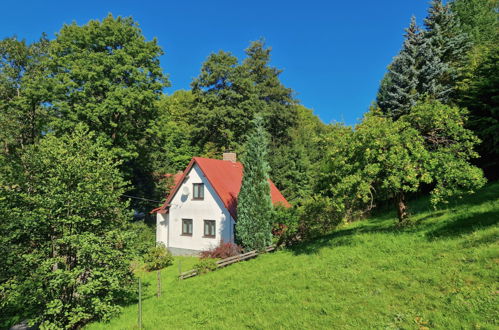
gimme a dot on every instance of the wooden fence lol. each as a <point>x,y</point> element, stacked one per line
<point>227,261</point>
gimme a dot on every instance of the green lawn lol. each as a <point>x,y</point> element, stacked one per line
<point>440,273</point>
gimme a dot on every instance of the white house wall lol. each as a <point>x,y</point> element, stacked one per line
<point>169,226</point>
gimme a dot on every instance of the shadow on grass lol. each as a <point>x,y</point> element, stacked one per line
<point>465,224</point>
<point>386,222</point>
<point>345,237</point>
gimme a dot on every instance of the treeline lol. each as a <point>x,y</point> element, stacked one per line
<point>433,127</point>
<point>84,121</point>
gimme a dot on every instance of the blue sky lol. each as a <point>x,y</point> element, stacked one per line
<point>333,53</point>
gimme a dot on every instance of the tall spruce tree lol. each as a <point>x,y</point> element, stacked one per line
<point>398,91</point>
<point>254,206</point>
<point>443,53</point>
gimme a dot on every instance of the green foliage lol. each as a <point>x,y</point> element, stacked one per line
<point>254,206</point>
<point>23,90</point>
<point>478,19</point>
<point>440,274</point>
<point>294,163</point>
<point>399,89</point>
<point>481,100</point>
<point>67,227</point>
<point>450,150</point>
<point>141,237</point>
<point>444,53</point>
<point>384,159</point>
<point>158,257</point>
<point>319,216</point>
<point>228,95</point>
<point>107,76</point>
<point>205,265</point>
<point>286,222</point>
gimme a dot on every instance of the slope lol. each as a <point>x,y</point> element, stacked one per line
<point>439,273</point>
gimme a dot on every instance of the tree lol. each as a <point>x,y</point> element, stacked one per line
<point>254,206</point>
<point>222,109</point>
<point>272,99</point>
<point>388,160</point>
<point>294,164</point>
<point>399,89</point>
<point>107,76</point>
<point>478,19</point>
<point>482,100</point>
<point>228,95</point>
<point>479,92</point>
<point>450,147</point>
<point>23,91</point>
<point>66,223</point>
<point>444,53</point>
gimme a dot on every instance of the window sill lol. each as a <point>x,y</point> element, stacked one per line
<point>197,199</point>
<point>188,235</point>
<point>210,236</point>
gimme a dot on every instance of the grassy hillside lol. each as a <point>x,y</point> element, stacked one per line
<point>439,273</point>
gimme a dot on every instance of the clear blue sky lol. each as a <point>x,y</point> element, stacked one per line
<point>333,53</point>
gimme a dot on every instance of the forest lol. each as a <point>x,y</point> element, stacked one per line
<point>87,136</point>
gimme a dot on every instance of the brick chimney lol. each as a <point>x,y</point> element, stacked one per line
<point>229,156</point>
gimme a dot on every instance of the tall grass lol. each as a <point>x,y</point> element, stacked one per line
<point>440,272</point>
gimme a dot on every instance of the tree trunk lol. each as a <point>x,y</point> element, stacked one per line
<point>401,207</point>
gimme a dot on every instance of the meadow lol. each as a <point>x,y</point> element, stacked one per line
<point>440,272</point>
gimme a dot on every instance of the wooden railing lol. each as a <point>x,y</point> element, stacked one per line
<point>228,261</point>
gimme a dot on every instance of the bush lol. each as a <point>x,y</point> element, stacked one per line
<point>141,238</point>
<point>286,223</point>
<point>205,265</point>
<point>158,257</point>
<point>224,250</point>
<point>319,216</point>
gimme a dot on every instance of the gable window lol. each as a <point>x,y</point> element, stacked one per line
<point>187,227</point>
<point>209,228</point>
<point>198,191</point>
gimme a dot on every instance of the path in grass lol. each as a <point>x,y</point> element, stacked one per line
<point>440,273</point>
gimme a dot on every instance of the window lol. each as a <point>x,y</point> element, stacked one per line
<point>187,227</point>
<point>209,228</point>
<point>198,191</point>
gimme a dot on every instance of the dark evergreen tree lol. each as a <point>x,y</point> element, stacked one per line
<point>228,95</point>
<point>398,91</point>
<point>273,100</point>
<point>254,205</point>
<point>444,53</point>
<point>482,100</point>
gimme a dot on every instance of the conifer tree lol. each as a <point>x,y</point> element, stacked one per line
<point>254,206</point>
<point>443,53</point>
<point>398,91</point>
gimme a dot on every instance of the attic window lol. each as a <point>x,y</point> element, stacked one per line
<point>198,191</point>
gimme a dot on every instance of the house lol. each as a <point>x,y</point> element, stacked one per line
<point>200,210</point>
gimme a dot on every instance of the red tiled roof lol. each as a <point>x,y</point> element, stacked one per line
<point>225,177</point>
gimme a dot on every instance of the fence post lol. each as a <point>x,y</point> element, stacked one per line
<point>140,304</point>
<point>179,268</point>
<point>159,283</point>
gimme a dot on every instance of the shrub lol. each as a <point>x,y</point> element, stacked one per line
<point>319,216</point>
<point>224,250</point>
<point>158,257</point>
<point>286,223</point>
<point>141,238</point>
<point>205,265</point>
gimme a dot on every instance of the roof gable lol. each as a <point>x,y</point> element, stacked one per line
<point>225,177</point>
